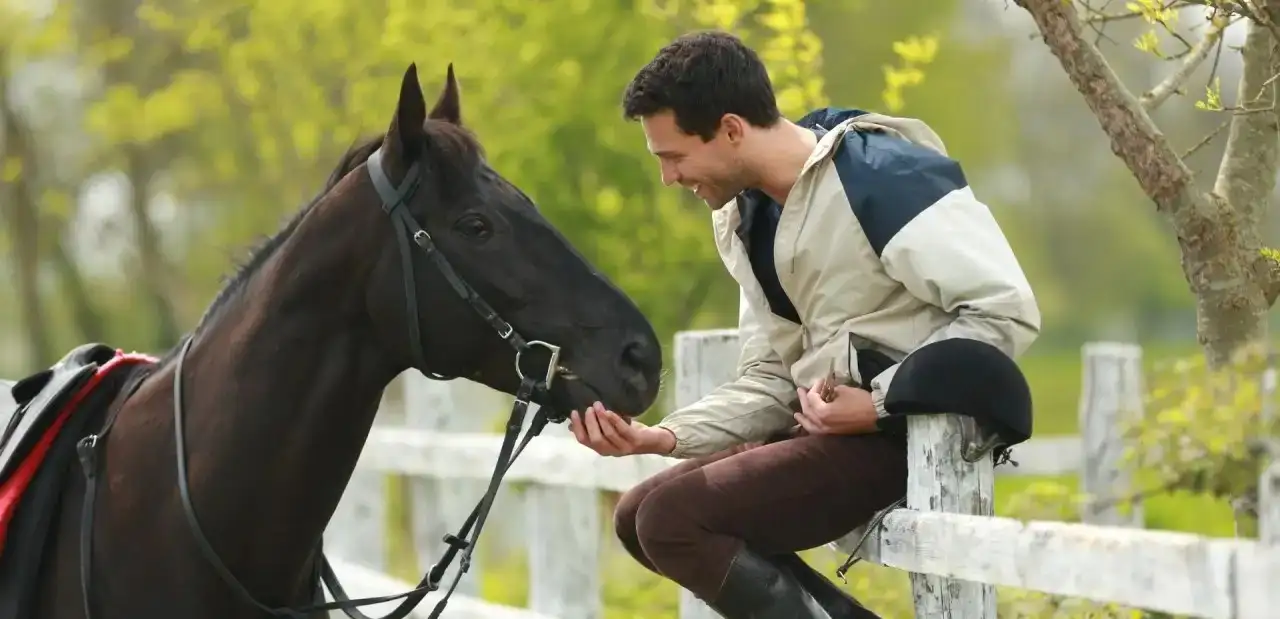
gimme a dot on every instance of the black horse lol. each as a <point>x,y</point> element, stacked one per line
<point>213,472</point>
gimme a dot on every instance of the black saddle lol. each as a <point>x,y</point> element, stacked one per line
<point>31,404</point>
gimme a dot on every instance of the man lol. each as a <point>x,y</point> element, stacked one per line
<point>855,241</point>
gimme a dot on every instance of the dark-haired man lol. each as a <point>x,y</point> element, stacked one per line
<point>855,241</point>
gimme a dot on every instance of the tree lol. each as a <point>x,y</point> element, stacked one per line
<point>1206,429</point>
<point>1233,276</point>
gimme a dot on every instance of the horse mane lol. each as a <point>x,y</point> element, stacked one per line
<point>450,146</point>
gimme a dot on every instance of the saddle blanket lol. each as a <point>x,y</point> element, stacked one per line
<point>21,468</point>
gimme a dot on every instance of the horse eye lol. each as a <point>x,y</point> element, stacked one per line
<point>473,226</point>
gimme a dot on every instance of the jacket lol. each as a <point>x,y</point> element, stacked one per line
<point>881,247</point>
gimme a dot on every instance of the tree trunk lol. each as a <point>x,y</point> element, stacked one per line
<point>84,311</point>
<point>1217,232</point>
<point>23,221</point>
<point>151,260</point>
<point>1231,306</point>
<point>24,230</point>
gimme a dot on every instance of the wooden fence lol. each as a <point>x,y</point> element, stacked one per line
<point>956,551</point>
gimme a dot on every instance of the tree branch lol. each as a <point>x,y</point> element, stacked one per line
<point>1246,177</point>
<point>1192,61</point>
<point>1134,137</point>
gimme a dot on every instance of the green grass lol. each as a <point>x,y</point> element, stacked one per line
<point>1054,376</point>
<point>630,592</point>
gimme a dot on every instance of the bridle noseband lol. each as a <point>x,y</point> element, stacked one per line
<point>395,204</point>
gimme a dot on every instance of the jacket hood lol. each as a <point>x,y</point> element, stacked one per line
<point>915,130</point>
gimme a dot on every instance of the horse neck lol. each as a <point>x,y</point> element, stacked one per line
<point>280,392</point>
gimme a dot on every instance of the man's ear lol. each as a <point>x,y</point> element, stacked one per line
<point>734,127</point>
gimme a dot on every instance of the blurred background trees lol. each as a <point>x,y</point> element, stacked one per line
<point>145,145</point>
<point>148,143</point>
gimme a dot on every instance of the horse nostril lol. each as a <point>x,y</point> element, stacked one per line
<point>639,360</point>
<point>636,356</point>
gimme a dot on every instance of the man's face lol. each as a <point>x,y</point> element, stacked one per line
<point>712,170</point>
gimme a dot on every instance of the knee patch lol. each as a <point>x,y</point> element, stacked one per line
<point>665,514</point>
<point>626,511</point>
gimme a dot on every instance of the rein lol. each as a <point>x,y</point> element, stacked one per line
<point>394,204</point>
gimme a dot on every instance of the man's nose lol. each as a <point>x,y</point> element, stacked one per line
<point>669,176</point>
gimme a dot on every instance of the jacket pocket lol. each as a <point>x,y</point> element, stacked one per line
<point>870,363</point>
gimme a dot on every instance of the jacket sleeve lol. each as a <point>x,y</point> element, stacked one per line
<point>755,405</point>
<point>954,255</point>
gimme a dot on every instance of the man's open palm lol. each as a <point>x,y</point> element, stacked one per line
<point>609,434</point>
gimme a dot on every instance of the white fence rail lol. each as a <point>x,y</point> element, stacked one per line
<point>956,551</point>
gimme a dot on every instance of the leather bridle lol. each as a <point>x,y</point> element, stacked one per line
<point>394,204</point>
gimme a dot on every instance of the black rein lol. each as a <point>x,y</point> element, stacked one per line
<point>394,203</point>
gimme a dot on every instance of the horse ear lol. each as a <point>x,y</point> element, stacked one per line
<point>407,135</point>
<point>448,107</point>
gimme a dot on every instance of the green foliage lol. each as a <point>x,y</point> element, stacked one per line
<point>1204,429</point>
<point>1195,451</point>
<point>1212,101</point>
<point>914,53</point>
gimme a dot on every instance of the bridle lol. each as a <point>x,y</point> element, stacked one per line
<point>394,204</point>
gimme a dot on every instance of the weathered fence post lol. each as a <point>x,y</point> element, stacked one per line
<point>564,528</point>
<point>939,480</point>
<point>704,360</point>
<point>439,506</point>
<point>1269,482</point>
<point>357,532</point>
<point>1269,505</point>
<point>1111,394</point>
<point>1257,566</point>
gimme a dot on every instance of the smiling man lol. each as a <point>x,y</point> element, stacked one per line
<point>855,240</point>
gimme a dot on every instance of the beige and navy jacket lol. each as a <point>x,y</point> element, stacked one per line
<point>881,248</point>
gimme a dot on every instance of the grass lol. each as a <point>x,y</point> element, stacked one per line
<point>629,591</point>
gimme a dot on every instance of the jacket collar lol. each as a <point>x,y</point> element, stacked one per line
<point>821,121</point>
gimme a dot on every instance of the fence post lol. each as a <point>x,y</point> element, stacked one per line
<point>939,480</point>
<point>439,506</point>
<point>704,360</point>
<point>1111,394</point>
<point>1257,566</point>
<point>1269,505</point>
<point>357,532</point>
<point>1269,482</point>
<point>563,526</point>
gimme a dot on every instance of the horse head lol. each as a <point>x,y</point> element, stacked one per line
<point>496,243</point>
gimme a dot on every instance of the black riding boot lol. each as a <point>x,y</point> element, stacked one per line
<point>758,589</point>
<point>835,601</point>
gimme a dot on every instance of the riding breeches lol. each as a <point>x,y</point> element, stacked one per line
<point>687,522</point>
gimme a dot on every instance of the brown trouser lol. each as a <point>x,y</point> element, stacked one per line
<point>687,522</point>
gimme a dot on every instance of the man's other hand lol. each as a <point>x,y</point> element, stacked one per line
<point>850,411</point>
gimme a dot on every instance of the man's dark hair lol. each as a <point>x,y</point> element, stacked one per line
<point>700,77</point>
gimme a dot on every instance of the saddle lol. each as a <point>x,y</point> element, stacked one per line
<point>35,401</point>
<point>44,415</point>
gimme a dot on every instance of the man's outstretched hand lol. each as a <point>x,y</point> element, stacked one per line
<point>610,434</point>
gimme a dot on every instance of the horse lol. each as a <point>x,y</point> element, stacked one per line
<point>201,485</point>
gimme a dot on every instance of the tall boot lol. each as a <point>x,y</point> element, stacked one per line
<point>758,589</point>
<point>834,600</point>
